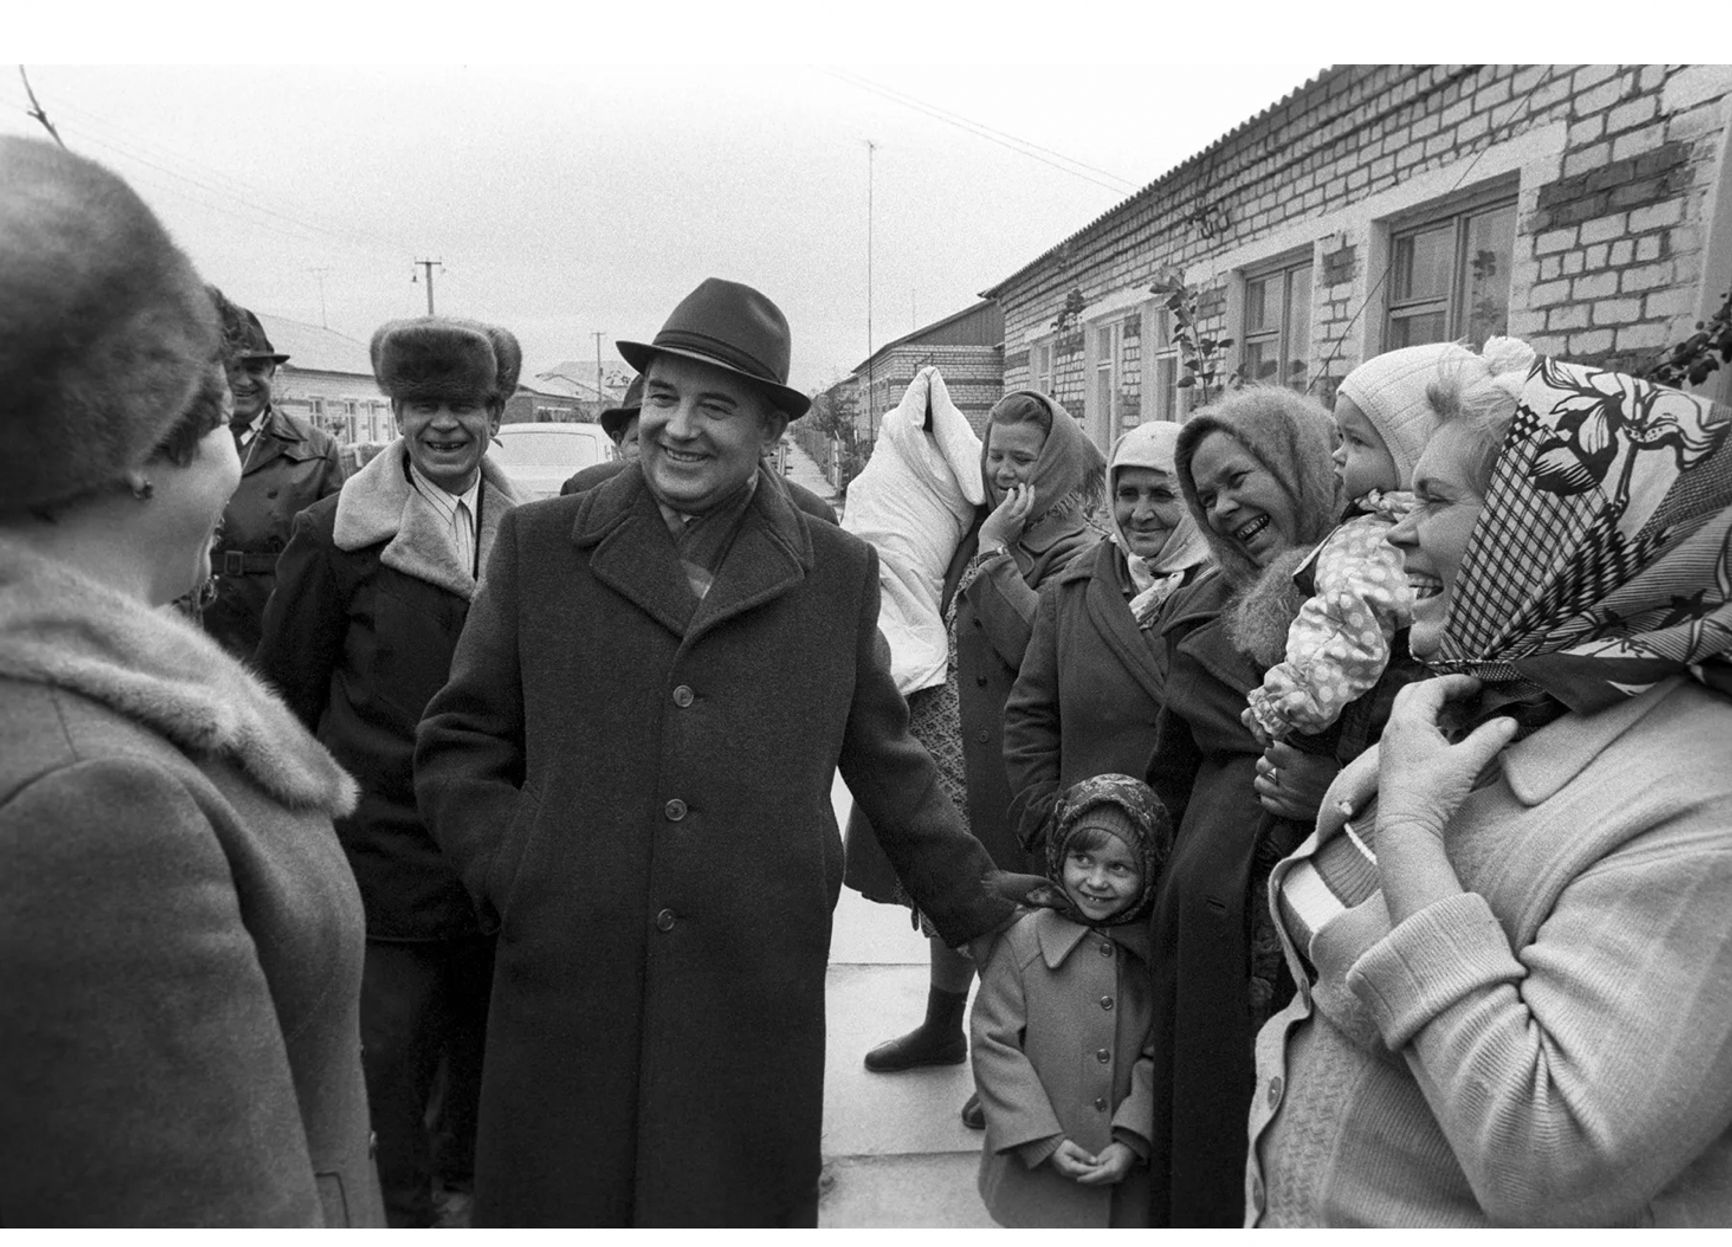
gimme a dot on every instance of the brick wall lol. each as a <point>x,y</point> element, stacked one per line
<point>974,376</point>
<point>1612,168</point>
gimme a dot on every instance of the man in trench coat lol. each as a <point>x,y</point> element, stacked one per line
<point>631,768</point>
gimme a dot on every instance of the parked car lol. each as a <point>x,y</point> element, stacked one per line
<point>538,458</point>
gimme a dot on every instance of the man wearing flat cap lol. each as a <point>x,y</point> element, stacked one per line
<point>371,596</point>
<point>286,466</point>
<point>654,837</point>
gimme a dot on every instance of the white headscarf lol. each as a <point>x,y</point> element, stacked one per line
<point>1153,445</point>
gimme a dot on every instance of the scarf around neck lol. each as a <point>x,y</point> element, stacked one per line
<point>1153,580</point>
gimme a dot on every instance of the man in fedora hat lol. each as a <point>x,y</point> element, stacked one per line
<point>655,837</point>
<point>371,596</point>
<point>620,423</point>
<point>286,466</point>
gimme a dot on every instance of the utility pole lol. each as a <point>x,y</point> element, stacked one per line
<point>320,274</point>
<point>600,400</point>
<point>428,265</point>
<point>871,408</point>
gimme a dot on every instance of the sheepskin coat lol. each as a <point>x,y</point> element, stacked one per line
<point>358,637</point>
<point>287,467</point>
<point>636,786</point>
<point>180,936</point>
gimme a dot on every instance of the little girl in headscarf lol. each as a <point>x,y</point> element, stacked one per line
<point>1339,645</point>
<point>1061,1025</point>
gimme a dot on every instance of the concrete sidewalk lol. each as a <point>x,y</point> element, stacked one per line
<point>895,1151</point>
<point>803,470</point>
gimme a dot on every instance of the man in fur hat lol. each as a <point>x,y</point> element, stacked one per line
<point>372,593</point>
<point>631,767</point>
<point>286,466</point>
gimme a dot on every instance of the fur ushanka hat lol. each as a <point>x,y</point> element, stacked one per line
<point>443,358</point>
<point>106,332</point>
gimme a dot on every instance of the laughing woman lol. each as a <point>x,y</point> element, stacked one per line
<point>180,937</point>
<point>1517,975</point>
<point>1256,472</point>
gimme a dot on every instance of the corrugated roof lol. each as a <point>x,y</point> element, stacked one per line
<point>313,349</point>
<point>991,292</point>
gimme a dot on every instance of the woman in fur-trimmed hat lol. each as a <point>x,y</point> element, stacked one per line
<point>371,595</point>
<point>180,937</point>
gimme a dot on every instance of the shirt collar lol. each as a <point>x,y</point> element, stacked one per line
<point>678,520</point>
<point>439,496</point>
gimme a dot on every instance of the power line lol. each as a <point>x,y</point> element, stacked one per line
<point>1034,151</point>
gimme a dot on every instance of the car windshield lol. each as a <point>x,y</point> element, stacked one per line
<point>531,449</point>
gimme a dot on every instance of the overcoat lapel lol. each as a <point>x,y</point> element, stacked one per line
<point>769,556</point>
<point>267,445</point>
<point>1112,618</point>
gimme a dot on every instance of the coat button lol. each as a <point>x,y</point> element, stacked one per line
<point>1104,1055</point>
<point>1275,1091</point>
<point>675,810</point>
<point>1107,949</point>
<point>1101,1103</point>
<point>983,735</point>
<point>683,697</point>
<point>980,680</point>
<point>1107,1003</point>
<point>665,920</point>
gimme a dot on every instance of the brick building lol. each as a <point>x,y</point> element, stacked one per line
<point>967,347</point>
<point>1587,209</point>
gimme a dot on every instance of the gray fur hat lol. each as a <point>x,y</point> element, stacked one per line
<point>105,328</point>
<point>441,357</point>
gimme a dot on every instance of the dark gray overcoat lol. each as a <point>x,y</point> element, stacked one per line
<point>636,787</point>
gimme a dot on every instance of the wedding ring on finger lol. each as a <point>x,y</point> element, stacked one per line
<point>1275,776</point>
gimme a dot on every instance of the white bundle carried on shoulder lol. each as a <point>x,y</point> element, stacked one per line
<point>913,502</point>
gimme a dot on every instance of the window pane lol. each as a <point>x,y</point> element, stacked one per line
<point>1298,350</point>
<point>1104,344</point>
<point>1422,263</point>
<point>1166,378</point>
<point>1257,304</point>
<point>1416,330</point>
<point>1261,359</point>
<point>1163,322</point>
<point>1490,248</point>
<point>1104,392</point>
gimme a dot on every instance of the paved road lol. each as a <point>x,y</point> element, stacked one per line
<point>895,1152</point>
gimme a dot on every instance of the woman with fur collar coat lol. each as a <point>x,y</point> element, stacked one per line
<point>180,937</point>
<point>1256,473</point>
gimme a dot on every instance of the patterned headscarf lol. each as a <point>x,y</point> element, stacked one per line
<point>1602,560</point>
<point>1147,832</point>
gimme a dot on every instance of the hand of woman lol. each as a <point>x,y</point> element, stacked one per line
<point>1008,518</point>
<point>1110,1166</point>
<point>1422,779</point>
<point>1291,784</point>
<point>1072,1161</point>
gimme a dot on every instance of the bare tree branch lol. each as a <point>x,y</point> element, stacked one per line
<point>35,109</point>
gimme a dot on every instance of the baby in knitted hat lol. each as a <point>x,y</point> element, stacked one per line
<point>1339,644</point>
<point>1061,1025</point>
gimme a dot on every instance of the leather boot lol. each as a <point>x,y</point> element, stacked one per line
<point>938,1040</point>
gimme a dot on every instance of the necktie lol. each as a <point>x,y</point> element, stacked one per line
<point>463,533</point>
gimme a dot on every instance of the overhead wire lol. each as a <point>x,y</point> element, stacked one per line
<point>1034,151</point>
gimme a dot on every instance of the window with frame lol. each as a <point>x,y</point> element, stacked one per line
<point>1103,397</point>
<point>1163,365</point>
<point>1275,337</point>
<point>1449,277</point>
<point>1042,357</point>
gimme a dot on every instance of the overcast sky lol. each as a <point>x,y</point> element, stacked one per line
<point>592,196</point>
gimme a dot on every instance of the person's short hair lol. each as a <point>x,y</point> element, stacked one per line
<point>1022,408</point>
<point>1089,839</point>
<point>1482,395</point>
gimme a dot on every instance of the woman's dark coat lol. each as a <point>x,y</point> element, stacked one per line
<point>636,785</point>
<point>1090,688</point>
<point>1203,770</point>
<point>358,648</point>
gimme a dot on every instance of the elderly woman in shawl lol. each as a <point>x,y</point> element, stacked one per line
<point>1092,680</point>
<point>1509,928</point>
<point>1039,472</point>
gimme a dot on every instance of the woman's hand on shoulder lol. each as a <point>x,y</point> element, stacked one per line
<point>1422,779</point>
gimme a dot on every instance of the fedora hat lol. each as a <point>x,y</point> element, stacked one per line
<point>731,327</point>
<point>243,336</point>
<point>614,419</point>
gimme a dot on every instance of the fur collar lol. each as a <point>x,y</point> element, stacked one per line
<point>1261,612</point>
<point>379,503</point>
<point>62,629</point>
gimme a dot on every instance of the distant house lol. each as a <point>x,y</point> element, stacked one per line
<point>967,347</point>
<point>328,379</point>
<point>1585,208</point>
<point>571,387</point>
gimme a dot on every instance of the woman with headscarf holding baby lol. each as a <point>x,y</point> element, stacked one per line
<point>1091,683</point>
<point>1509,928</point>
